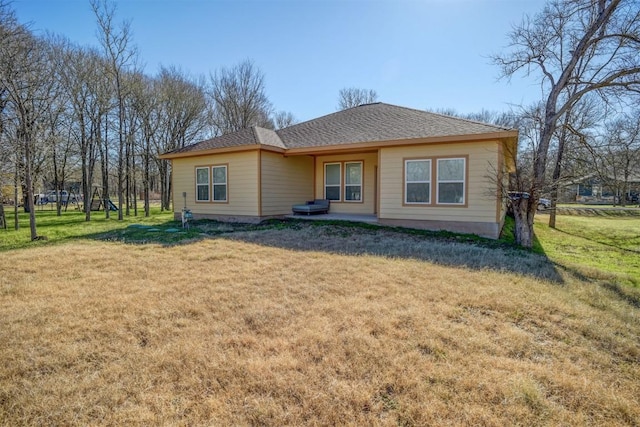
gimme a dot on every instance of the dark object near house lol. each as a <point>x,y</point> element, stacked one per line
<point>313,206</point>
<point>543,204</point>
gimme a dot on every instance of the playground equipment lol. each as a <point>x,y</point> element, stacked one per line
<point>98,202</point>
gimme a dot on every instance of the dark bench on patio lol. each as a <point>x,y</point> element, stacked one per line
<point>312,207</point>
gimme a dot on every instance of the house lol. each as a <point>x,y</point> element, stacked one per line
<point>406,167</point>
<point>602,189</point>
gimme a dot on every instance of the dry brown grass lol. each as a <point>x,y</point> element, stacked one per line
<point>249,331</point>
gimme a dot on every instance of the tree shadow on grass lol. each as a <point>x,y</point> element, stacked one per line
<point>350,238</point>
<point>606,240</point>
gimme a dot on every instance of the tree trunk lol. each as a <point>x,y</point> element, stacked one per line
<point>16,183</point>
<point>29,184</point>
<point>3,218</point>
<point>146,178</point>
<point>523,222</point>
<point>104,155</point>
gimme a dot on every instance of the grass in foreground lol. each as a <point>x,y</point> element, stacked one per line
<point>262,328</point>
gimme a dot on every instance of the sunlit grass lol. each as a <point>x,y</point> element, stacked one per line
<point>70,225</point>
<point>595,246</point>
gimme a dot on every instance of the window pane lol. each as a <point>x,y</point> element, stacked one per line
<point>353,172</point>
<point>220,175</point>
<point>332,193</point>
<point>203,192</point>
<point>332,174</point>
<point>451,170</point>
<point>202,176</point>
<point>417,193</point>
<point>451,193</point>
<point>220,192</point>
<point>352,192</point>
<point>418,170</point>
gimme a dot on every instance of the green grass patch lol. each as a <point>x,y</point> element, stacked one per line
<point>596,247</point>
<point>72,225</point>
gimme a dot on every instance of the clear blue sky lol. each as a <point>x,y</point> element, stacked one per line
<point>419,54</point>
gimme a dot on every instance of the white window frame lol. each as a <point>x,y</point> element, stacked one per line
<point>428,182</point>
<point>220,184</point>
<point>353,185</point>
<point>463,181</point>
<point>208,185</point>
<point>339,185</point>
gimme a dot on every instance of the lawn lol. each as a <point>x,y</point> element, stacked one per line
<point>307,324</point>
<point>602,247</point>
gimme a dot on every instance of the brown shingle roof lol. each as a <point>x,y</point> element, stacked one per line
<point>365,123</point>
<point>378,122</point>
<point>234,139</point>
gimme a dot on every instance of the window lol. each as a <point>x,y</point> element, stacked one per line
<point>219,174</point>
<point>417,174</point>
<point>202,184</point>
<point>451,174</point>
<point>332,181</point>
<point>353,181</point>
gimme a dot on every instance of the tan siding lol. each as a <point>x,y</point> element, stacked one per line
<point>242,184</point>
<point>481,185</point>
<point>286,181</point>
<point>370,161</point>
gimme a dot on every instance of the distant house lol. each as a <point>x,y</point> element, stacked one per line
<point>597,189</point>
<point>406,167</point>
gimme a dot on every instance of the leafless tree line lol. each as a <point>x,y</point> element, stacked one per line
<point>72,113</point>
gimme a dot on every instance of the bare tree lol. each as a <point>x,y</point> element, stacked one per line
<point>616,155</point>
<point>121,55</point>
<point>147,101</point>
<point>573,131</point>
<point>352,97</point>
<point>574,47</point>
<point>283,119</point>
<point>238,99</point>
<point>25,76</point>
<point>182,114</point>
<point>80,72</point>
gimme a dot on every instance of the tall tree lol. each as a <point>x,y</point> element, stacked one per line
<point>80,73</point>
<point>182,117</point>
<point>573,47</point>
<point>238,98</point>
<point>350,97</point>
<point>121,54</point>
<point>147,104</point>
<point>573,131</point>
<point>25,76</point>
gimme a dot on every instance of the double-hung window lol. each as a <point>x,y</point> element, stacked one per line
<point>451,173</point>
<point>417,181</point>
<point>353,181</point>
<point>332,181</point>
<point>202,184</point>
<point>219,174</point>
